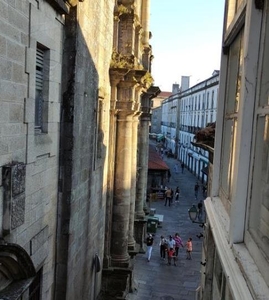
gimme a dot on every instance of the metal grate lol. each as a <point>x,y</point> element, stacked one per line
<point>39,88</point>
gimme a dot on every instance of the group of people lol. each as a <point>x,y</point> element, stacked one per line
<point>169,195</point>
<point>169,247</point>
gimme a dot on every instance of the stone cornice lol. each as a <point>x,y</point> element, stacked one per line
<point>62,6</point>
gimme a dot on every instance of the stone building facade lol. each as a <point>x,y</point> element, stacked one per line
<point>76,91</point>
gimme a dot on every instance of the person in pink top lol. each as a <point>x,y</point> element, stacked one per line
<point>189,248</point>
<point>178,243</point>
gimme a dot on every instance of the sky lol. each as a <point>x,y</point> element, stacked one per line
<point>186,40</point>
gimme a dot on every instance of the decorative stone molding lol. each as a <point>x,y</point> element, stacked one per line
<point>121,61</point>
<point>16,266</point>
<point>14,195</point>
<point>147,80</point>
<point>60,6</point>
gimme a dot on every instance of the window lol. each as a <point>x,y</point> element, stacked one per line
<point>259,197</point>
<point>232,97</point>
<point>212,100</point>
<point>41,88</point>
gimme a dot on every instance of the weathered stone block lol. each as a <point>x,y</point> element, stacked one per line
<point>5,69</point>
<point>18,74</point>
<point>29,111</point>
<point>39,240</point>
<point>16,112</point>
<point>17,19</point>
<point>16,52</point>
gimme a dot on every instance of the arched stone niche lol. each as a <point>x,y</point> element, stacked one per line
<point>16,271</point>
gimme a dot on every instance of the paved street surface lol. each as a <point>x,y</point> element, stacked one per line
<point>156,279</point>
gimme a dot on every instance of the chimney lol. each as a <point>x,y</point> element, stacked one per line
<point>185,83</point>
<point>175,88</point>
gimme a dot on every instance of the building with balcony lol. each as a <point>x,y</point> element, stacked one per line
<point>197,108</point>
<point>183,114</point>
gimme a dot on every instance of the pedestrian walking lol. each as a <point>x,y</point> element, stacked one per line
<point>178,243</point>
<point>163,246</point>
<point>168,195</point>
<point>200,210</point>
<point>171,256</point>
<point>149,242</point>
<point>176,168</point>
<point>177,193</point>
<point>196,189</point>
<point>204,191</point>
<point>168,175</point>
<point>189,248</point>
<point>171,242</point>
<point>182,167</point>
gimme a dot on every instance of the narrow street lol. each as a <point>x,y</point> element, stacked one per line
<point>156,279</point>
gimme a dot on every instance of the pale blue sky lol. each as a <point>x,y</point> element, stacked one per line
<point>186,40</point>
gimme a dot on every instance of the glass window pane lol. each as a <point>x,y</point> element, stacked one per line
<point>234,74</point>
<point>264,98</point>
<point>259,207</point>
<point>226,157</point>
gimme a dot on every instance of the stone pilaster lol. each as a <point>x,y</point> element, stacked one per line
<point>131,240</point>
<point>122,188</point>
<point>143,147</point>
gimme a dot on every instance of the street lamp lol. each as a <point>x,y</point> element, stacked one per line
<point>193,214</point>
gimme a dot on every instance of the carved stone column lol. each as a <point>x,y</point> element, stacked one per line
<point>122,190</point>
<point>131,240</point>
<point>143,148</point>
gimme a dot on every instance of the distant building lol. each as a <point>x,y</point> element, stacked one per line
<point>156,112</point>
<point>183,114</point>
<point>197,108</point>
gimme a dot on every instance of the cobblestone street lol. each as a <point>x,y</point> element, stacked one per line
<point>156,279</point>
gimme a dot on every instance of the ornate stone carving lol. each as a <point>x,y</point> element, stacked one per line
<point>14,196</point>
<point>18,179</point>
<point>17,211</point>
<point>121,61</point>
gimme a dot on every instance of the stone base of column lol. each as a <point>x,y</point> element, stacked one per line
<point>120,261</point>
<point>117,283</point>
<point>140,228</point>
<point>106,261</point>
<point>131,244</point>
<point>140,215</point>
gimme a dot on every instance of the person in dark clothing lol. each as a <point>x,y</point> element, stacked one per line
<point>182,167</point>
<point>204,191</point>
<point>149,243</point>
<point>196,189</point>
<point>168,175</point>
<point>200,210</point>
<point>163,247</point>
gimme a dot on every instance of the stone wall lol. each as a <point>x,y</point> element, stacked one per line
<point>84,148</point>
<point>34,216</point>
